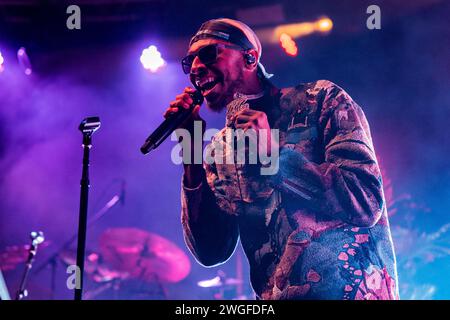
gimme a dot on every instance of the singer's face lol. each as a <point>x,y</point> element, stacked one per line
<point>219,80</point>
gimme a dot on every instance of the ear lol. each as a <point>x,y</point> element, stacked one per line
<point>250,59</point>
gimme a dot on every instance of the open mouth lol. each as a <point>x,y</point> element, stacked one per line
<point>206,85</point>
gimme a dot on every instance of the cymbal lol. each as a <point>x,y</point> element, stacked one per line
<point>219,282</point>
<point>14,255</point>
<point>144,255</point>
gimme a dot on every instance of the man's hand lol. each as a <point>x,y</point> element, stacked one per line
<point>184,100</point>
<point>257,120</point>
<point>192,172</point>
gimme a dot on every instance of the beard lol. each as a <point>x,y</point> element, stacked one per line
<point>218,102</point>
<point>216,106</point>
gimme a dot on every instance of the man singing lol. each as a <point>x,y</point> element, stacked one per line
<point>315,228</point>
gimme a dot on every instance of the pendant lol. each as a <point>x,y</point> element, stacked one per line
<point>234,107</point>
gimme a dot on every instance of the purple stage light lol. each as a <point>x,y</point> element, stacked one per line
<point>24,61</point>
<point>151,59</point>
<point>1,62</point>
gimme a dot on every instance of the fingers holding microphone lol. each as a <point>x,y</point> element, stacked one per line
<point>184,101</point>
<point>182,113</point>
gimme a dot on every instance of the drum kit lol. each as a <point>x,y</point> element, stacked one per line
<point>131,264</point>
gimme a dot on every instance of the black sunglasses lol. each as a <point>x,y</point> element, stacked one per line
<point>207,55</point>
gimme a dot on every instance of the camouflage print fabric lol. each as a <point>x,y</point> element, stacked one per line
<point>318,229</point>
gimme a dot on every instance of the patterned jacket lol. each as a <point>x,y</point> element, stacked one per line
<point>318,229</point>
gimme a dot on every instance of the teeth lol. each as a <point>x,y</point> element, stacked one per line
<point>201,83</point>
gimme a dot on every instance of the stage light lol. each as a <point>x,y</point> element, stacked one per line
<point>324,24</point>
<point>24,61</point>
<point>297,30</point>
<point>288,44</point>
<point>1,62</point>
<point>151,59</point>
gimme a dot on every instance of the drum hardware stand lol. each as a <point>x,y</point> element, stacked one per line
<point>36,239</point>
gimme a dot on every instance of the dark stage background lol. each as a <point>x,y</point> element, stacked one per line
<point>399,75</point>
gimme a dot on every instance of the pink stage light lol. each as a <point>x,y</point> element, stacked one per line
<point>151,59</point>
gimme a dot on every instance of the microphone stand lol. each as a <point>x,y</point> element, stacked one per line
<point>88,126</point>
<point>36,239</point>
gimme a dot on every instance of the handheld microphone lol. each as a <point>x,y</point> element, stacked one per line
<point>169,125</point>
